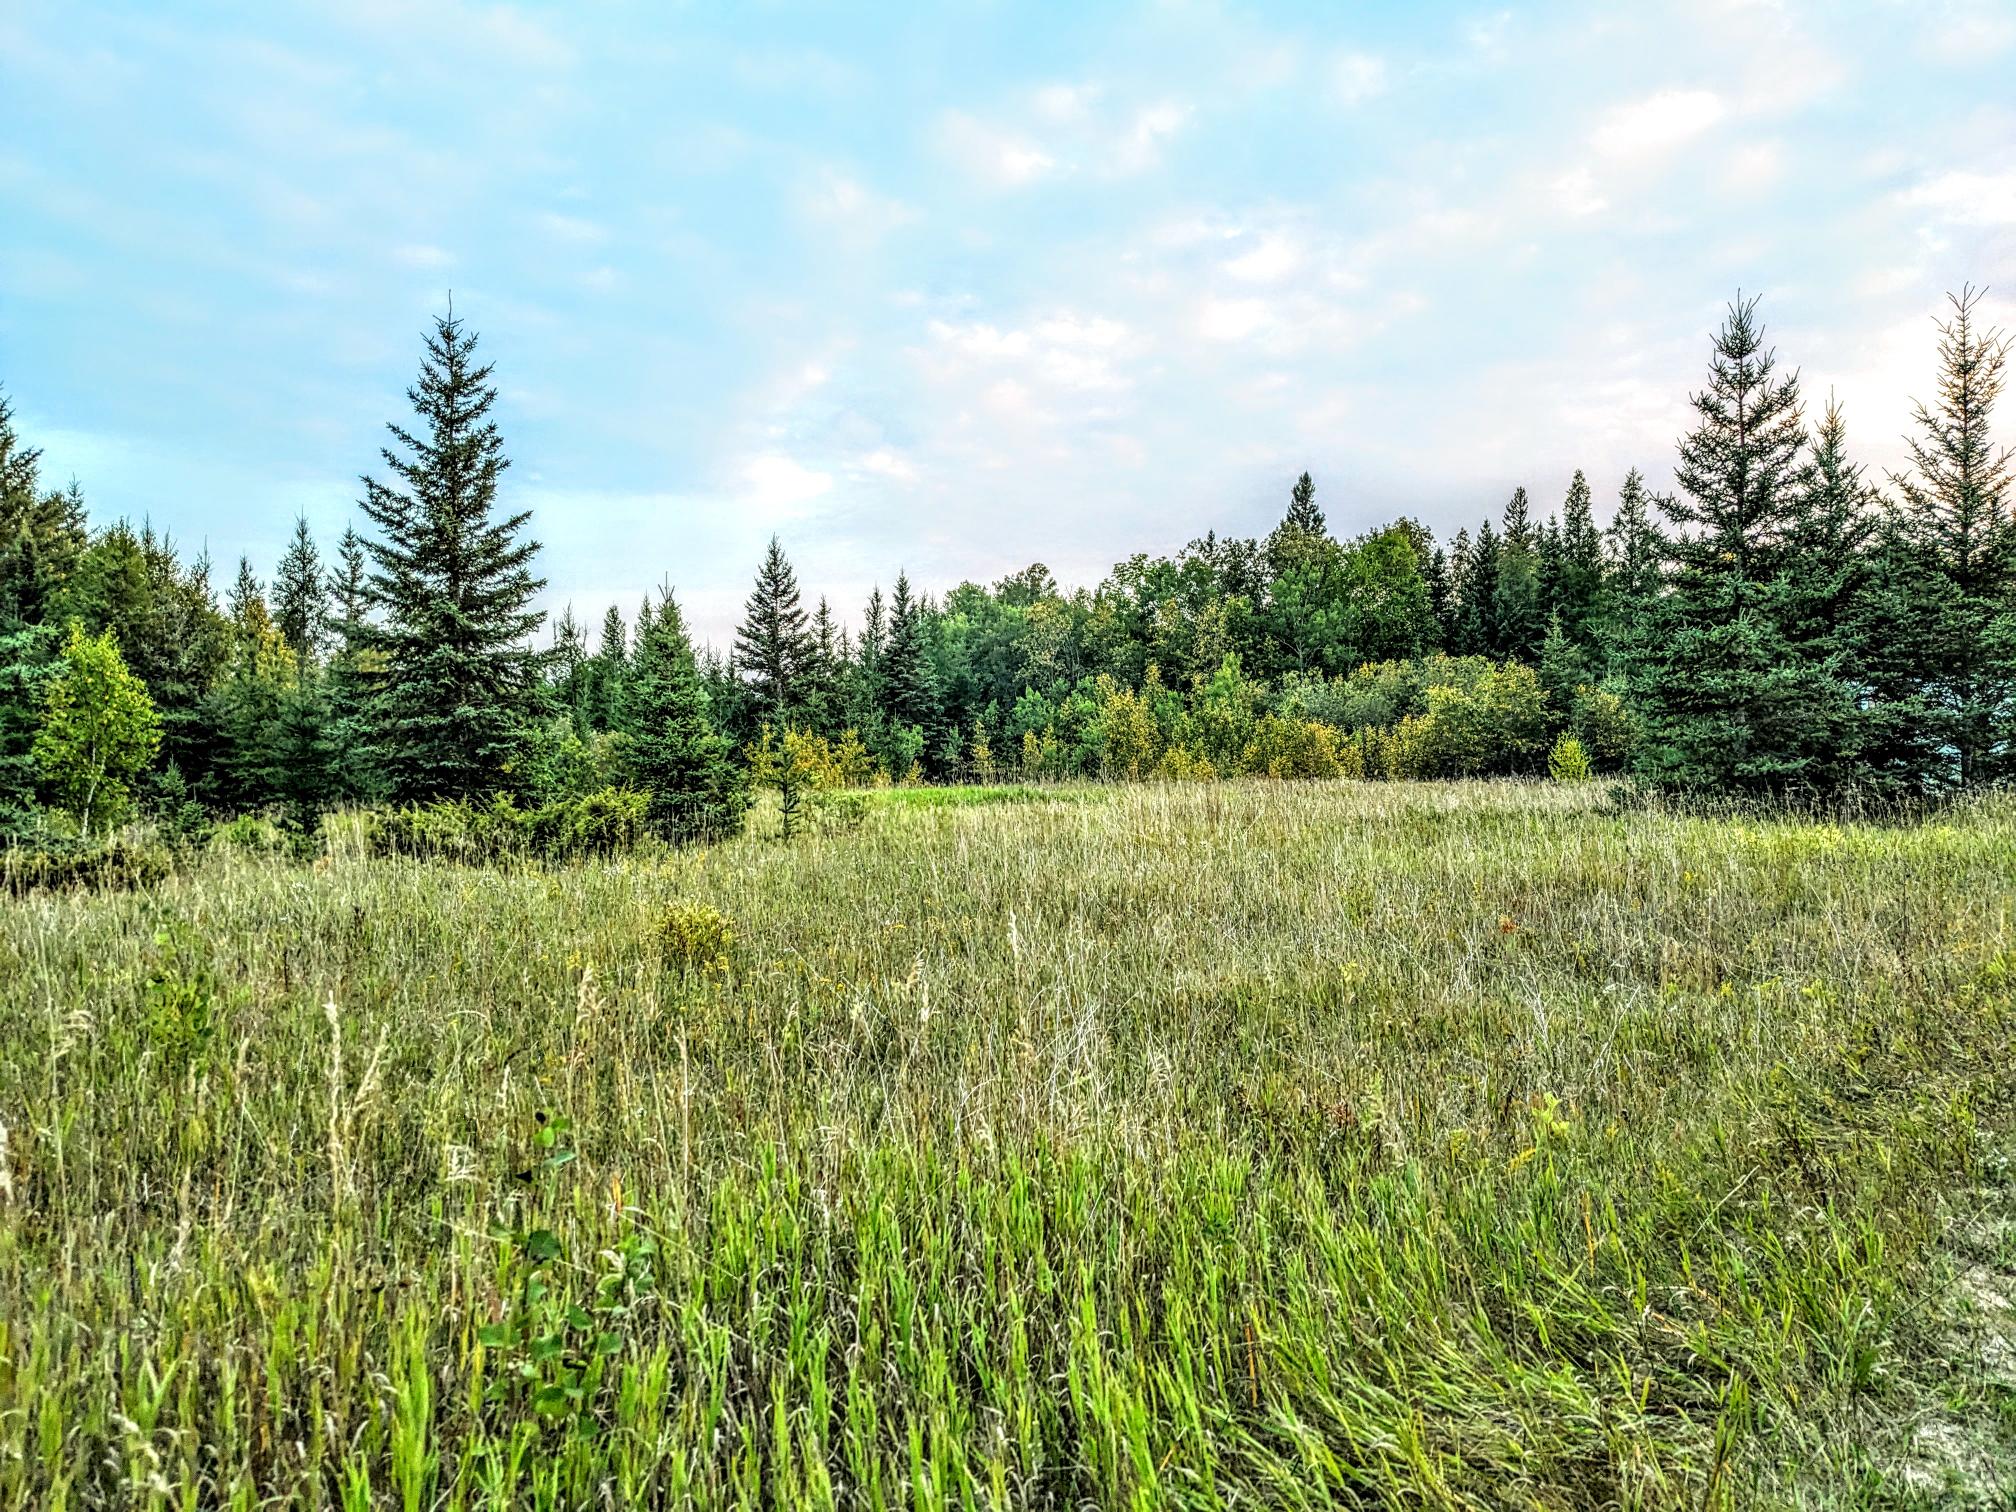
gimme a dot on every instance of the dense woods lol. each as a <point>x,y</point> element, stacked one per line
<point>1781,626</point>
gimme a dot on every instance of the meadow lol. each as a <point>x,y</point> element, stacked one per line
<point>1465,1145</point>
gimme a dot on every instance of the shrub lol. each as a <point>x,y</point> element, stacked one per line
<point>1292,748</point>
<point>695,940</point>
<point>1605,727</point>
<point>610,821</point>
<point>1568,762</point>
<point>113,865</point>
<point>249,835</point>
<point>1181,764</point>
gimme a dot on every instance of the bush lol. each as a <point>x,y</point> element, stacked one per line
<point>1292,748</point>
<point>1568,762</point>
<point>695,940</point>
<point>608,822</point>
<point>113,865</point>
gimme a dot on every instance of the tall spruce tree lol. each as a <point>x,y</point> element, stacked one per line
<point>297,595</point>
<point>1578,575</point>
<point>352,663</point>
<point>1730,697</point>
<point>1634,574</point>
<point>773,644</point>
<point>909,693</point>
<point>1936,630</point>
<point>454,585</point>
<point>671,748</point>
<point>1477,596</point>
<point>1517,622</point>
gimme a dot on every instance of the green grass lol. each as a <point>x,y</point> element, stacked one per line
<point>966,796</point>
<point>1247,1145</point>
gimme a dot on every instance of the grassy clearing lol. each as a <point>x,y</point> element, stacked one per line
<point>1352,1145</point>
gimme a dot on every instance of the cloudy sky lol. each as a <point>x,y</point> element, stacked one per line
<point>960,291</point>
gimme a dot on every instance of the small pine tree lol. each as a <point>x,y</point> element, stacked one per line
<point>297,595</point>
<point>1515,595</point>
<point>909,692</point>
<point>1577,587</point>
<point>773,644</point>
<point>670,746</point>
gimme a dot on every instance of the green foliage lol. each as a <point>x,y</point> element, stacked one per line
<point>1568,761</point>
<point>453,581</point>
<point>696,940</point>
<point>609,822</point>
<point>99,730</point>
<point>671,748</point>
<point>53,864</point>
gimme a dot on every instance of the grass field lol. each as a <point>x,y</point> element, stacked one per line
<point>1351,1145</point>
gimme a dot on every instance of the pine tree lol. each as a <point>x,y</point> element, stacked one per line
<point>454,584</point>
<point>772,644</point>
<point>671,748</point>
<point>819,683</point>
<point>347,690</point>
<point>1303,516</point>
<point>1515,598</point>
<point>1730,698</point>
<point>297,595</point>
<point>1634,555</point>
<point>909,695</point>
<point>1477,596</point>
<point>606,670</point>
<point>1578,577</point>
<point>1936,630</point>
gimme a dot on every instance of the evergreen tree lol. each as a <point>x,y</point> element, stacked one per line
<point>819,689</point>
<point>909,694</point>
<point>773,644</point>
<point>1515,597</point>
<point>606,670</point>
<point>297,595</point>
<point>1936,631</point>
<point>346,691</point>
<point>1730,698</point>
<point>671,748</point>
<point>1634,554</point>
<point>1578,575</point>
<point>454,584</point>
<point>1477,597</point>
<point>1303,517</point>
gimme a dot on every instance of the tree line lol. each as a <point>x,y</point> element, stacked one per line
<point>1781,626</point>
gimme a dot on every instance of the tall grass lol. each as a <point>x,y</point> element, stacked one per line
<point>1238,1145</point>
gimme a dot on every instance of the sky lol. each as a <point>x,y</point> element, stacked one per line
<point>958,288</point>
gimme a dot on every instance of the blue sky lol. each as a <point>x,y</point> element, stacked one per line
<point>961,288</point>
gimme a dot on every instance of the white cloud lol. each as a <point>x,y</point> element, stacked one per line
<point>1970,35</point>
<point>1271,259</point>
<point>1966,198</point>
<point>1657,123</point>
<point>1576,193</point>
<point>1141,147</point>
<point>1003,159</point>
<point>778,488</point>
<point>850,207</point>
<point>1233,319</point>
<point>1357,77</point>
<point>1756,168</point>
<point>885,462</point>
